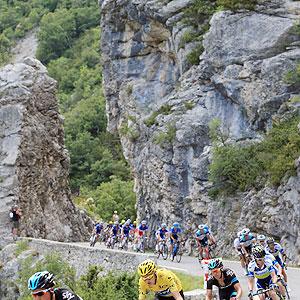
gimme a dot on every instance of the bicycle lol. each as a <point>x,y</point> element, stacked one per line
<point>93,239</point>
<point>208,252</point>
<point>141,244</point>
<point>163,250</point>
<point>265,292</point>
<point>177,251</point>
<point>282,281</point>
<point>124,243</point>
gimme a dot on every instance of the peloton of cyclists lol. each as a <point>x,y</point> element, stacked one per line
<point>204,238</point>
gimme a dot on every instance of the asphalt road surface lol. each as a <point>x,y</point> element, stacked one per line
<point>190,265</point>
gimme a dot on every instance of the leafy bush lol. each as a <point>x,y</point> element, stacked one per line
<point>64,273</point>
<point>109,196</point>
<point>112,286</point>
<point>240,167</point>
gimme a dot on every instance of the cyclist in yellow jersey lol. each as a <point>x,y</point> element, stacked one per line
<point>164,283</point>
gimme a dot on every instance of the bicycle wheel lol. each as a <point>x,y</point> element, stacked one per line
<point>178,256</point>
<point>165,251</point>
<point>93,241</point>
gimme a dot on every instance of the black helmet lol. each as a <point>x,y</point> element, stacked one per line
<point>258,252</point>
<point>41,280</point>
<point>215,264</point>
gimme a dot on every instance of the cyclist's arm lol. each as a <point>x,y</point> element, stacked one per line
<point>176,295</point>
<point>209,295</point>
<point>239,291</point>
<point>142,290</point>
<point>274,277</point>
<point>251,283</point>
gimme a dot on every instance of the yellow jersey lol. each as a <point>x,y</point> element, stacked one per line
<point>166,283</point>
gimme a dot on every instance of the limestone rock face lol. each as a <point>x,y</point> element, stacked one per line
<point>162,107</point>
<point>34,162</point>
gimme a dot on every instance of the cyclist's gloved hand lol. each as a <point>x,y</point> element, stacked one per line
<point>273,286</point>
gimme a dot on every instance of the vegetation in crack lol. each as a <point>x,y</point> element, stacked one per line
<point>239,166</point>
<point>166,137</point>
<point>197,16</point>
<point>165,109</point>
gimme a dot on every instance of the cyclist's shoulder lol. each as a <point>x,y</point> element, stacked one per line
<point>164,274</point>
<point>65,294</point>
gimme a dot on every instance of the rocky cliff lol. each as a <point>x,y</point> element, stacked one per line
<point>34,162</point>
<point>161,106</point>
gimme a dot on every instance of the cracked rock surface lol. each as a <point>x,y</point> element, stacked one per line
<point>165,106</point>
<point>34,162</point>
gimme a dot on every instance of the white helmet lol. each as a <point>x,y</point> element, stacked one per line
<point>201,226</point>
<point>261,237</point>
<point>144,222</point>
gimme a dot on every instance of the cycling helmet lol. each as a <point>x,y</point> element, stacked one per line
<point>110,222</point>
<point>215,264</point>
<point>147,268</point>
<point>245,231</point>
<point>176,225</point>
<point>270,240</point>
<point>261,237</point>
<point>116,223</point>
<point>134,222</point>
<point>201,226</point>
<point>115,212</point>
<point>258,252</point>
<point>123,222</point>
<point>144,222</point>
<point>163,225</point>
<point>41,280</point>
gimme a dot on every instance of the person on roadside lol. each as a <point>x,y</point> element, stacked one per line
<point>226,281</point>
<point>164,283</point>
<point>115,217</point>
<point>41,285</point>
<point>15,216</point>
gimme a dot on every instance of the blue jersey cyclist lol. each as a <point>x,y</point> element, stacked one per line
<point>204,238</point>
<point>174,233</point>
<point>262,269</point>
<point>277,251</point>
<point>116,229</point>
<point>98,227</point>
<point>161,235</point>
<point>126,228</point>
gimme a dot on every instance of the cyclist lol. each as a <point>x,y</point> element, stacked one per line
<point>125,230</point>
<point>238,248</point>
<point>114,233</point>
<point>174,234</point>
<point>226,281</point>
<point>261,239</point>
<point>161,235</point>
<point>141,233</point>
<point>204,238</point>
<point>247,239</point>
<point>164,283</point>
<point>42,284</point>
<point>278,252</point>
<point>261,269</point>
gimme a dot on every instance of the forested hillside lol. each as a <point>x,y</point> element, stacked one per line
<point>68,45</point>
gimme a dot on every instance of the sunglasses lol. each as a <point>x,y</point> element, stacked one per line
<point>40,293</point>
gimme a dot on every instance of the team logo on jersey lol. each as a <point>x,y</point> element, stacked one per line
<point>68,295</point>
